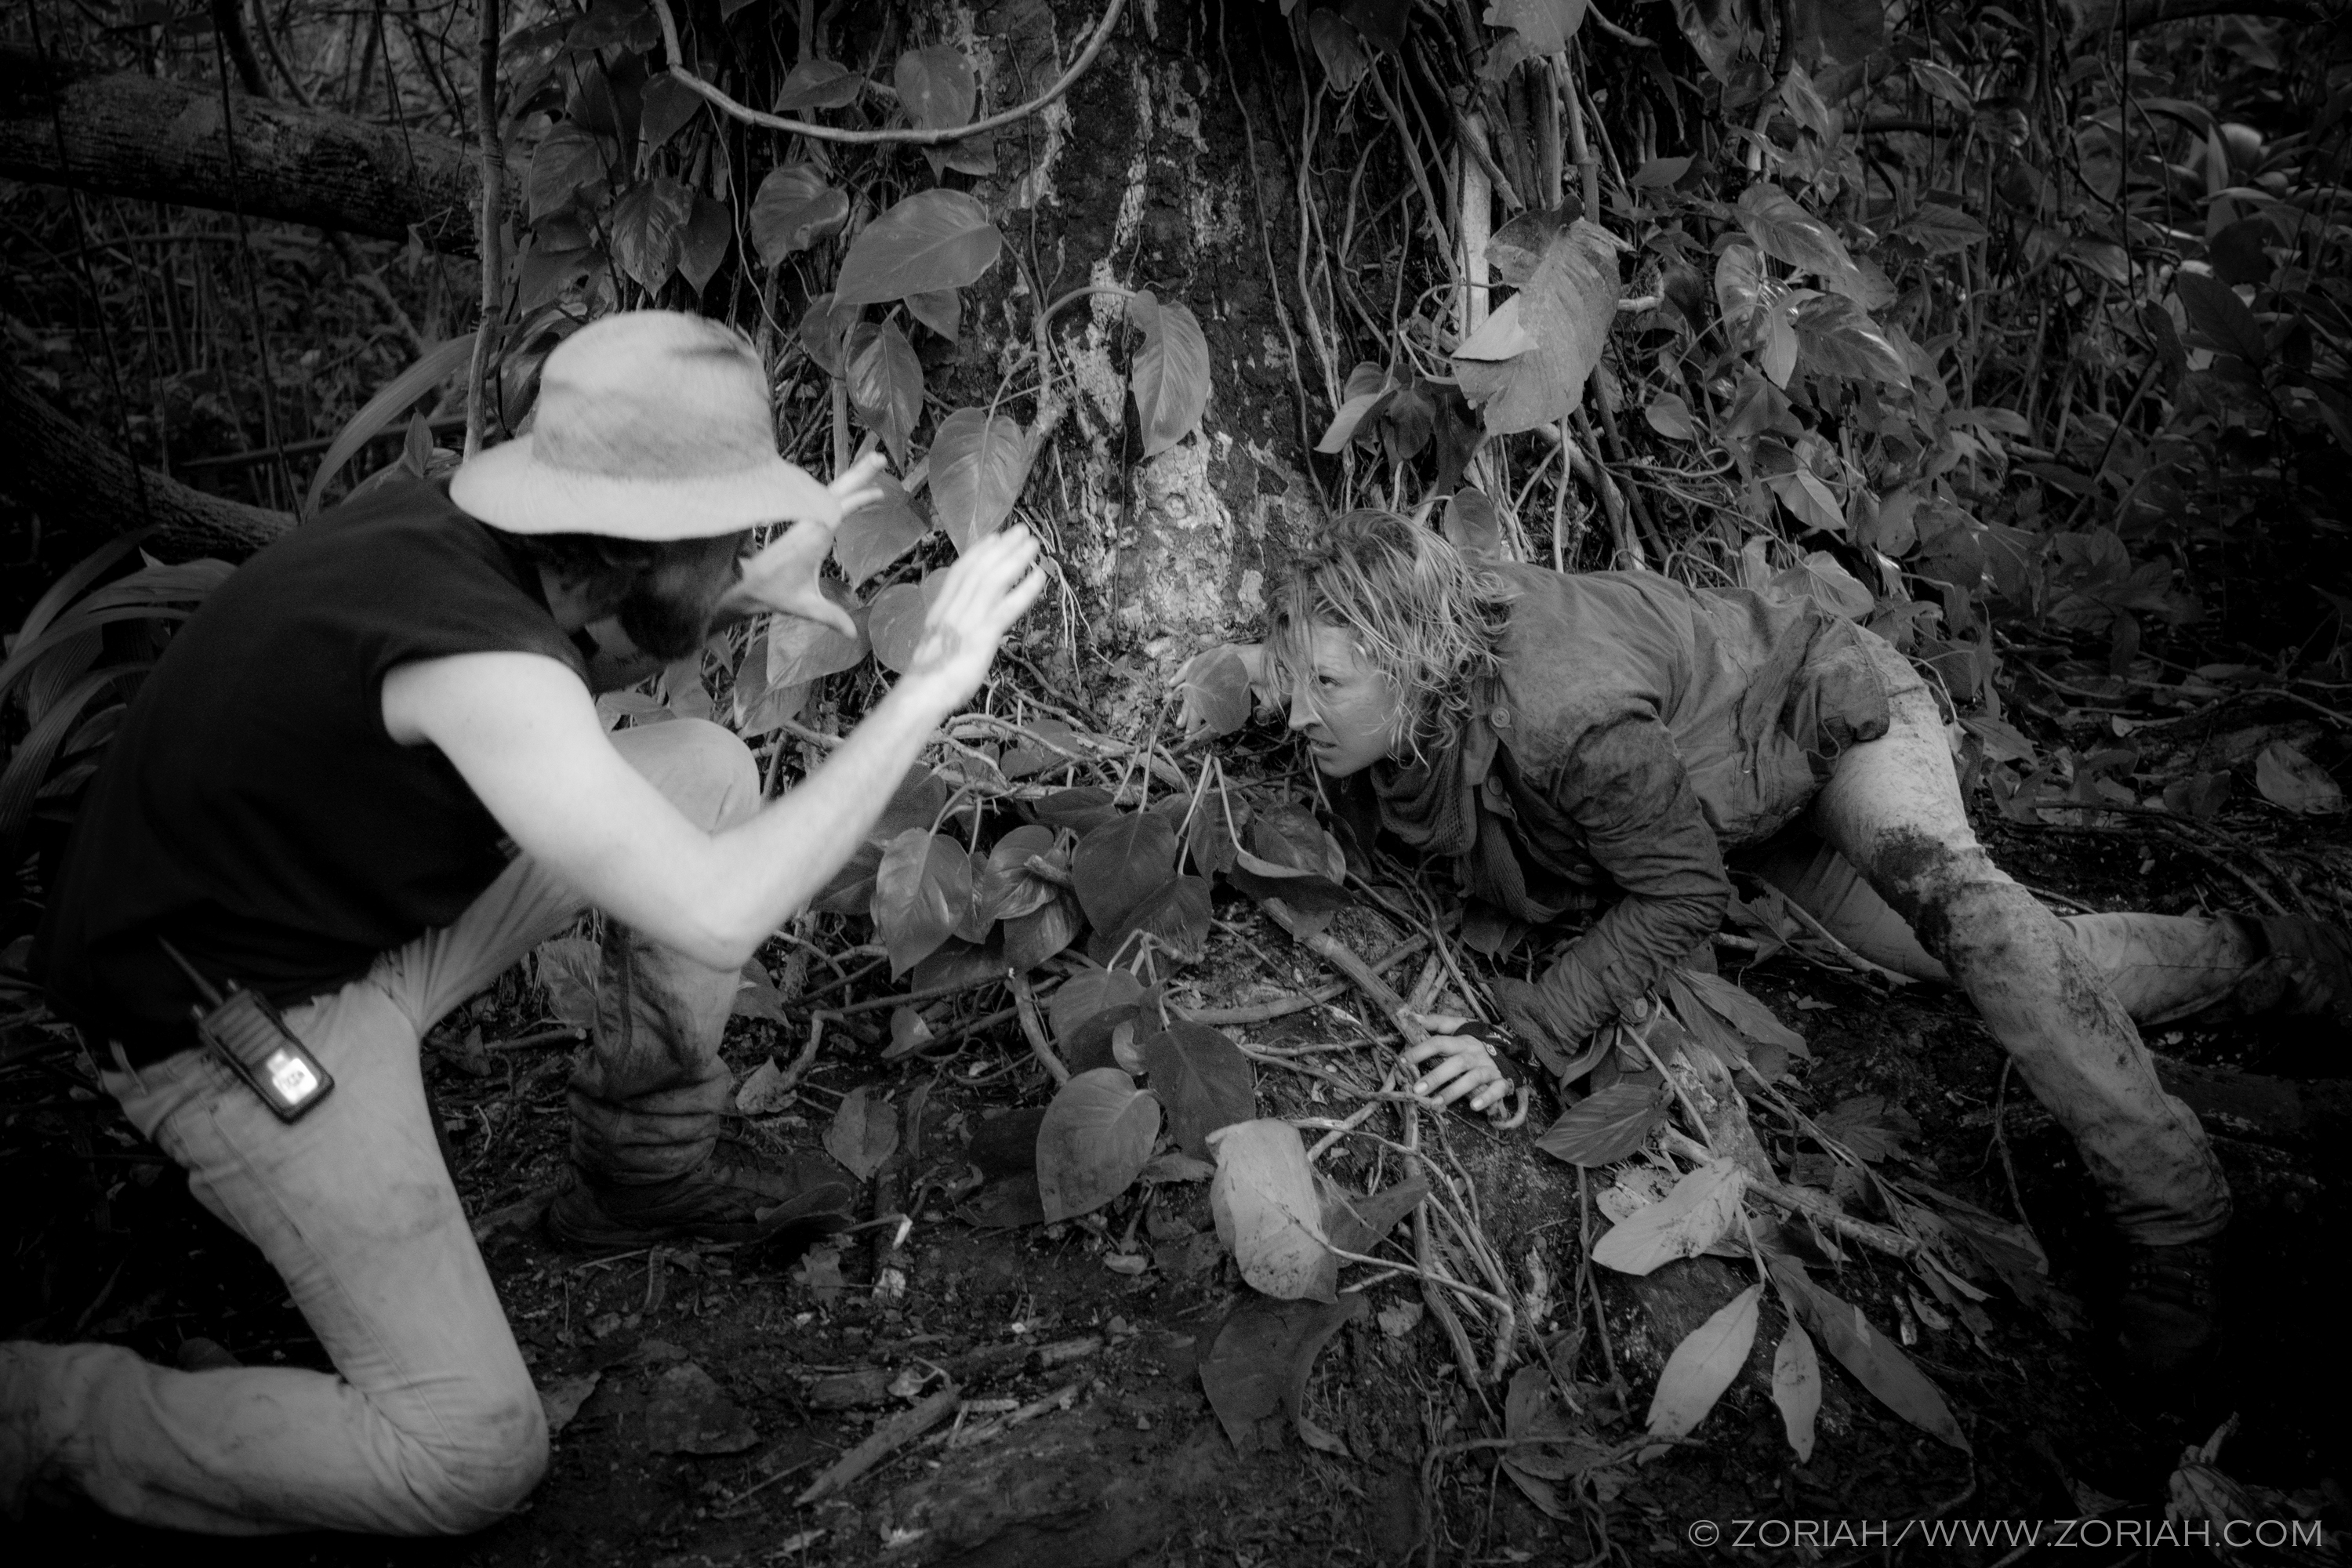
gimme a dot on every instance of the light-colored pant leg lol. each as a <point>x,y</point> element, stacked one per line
<point>1892,807</point>
<point>2160,967</point>
<point>431,1423</point>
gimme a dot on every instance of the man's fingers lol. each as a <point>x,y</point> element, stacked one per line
<point>860,475</point>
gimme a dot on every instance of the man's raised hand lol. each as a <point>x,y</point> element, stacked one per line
<point>784,576</point>
<point>988,589</point>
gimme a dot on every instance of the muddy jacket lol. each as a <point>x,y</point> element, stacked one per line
<point>1637,731</point>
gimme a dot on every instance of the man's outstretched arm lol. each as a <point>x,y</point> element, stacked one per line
<point>523,733</point>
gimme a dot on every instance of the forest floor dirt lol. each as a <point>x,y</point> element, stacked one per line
<point>1118,1456</point>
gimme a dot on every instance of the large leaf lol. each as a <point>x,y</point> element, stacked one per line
<point>1688,1220</point>
<point>1339,47</point>
<point>1177,913</point>
<point>1171,376</point>
<point>1031,939</point>
<point>885,384</point>
<point>1703,1366</point>
<point>1604,1128</point>
<point>1787,232</point>
<point>1008,889</point>
<point>1940,230</point>
<point>1121,863</point>
<point>1837,335</point>
<point>1546,25</point>
<point>825,329</point>
<point>1797,1388</point>
<point>1266,1211</point>
<point>1288,842</point>
<point>569,162</point>
<point>802,650</point>
<point>1095,1141</point>
<point>1527,365</point>
<point>1876,1363</point>
<point>2293,781</point>
<point>980,464</point>
<point>864,1134</point>
<point>794,209</point>
<point>936,87</point>
<point>709,235</point>
<point>1203,1080</point>
<point>2219,320</point>
<point>649,230</point>
<point>1257,1365</point>
<point>1217,692</point>
<point>818,84</point>
<point>879,532</point>
<point>897,619</point>
<point>934,239</point>
<point>1357,1223</point>
<point>922,891</point>
<point>434,366</point>
<point>1090,993</point>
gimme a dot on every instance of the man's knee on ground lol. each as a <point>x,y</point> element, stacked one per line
<point>701,768</point>
<point>475,1471</point>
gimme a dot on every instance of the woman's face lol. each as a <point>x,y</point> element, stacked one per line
<point>1345,709</point>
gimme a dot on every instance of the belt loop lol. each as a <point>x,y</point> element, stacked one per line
<point>122,1062</point>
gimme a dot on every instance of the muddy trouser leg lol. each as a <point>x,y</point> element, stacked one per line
<point>430,1422</point>
<point>2162,968</point>
<point>1891,808</point>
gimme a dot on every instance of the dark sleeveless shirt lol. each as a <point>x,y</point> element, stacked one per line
<point>253,810</point>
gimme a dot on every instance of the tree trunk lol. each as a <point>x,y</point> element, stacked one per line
<point>130,135</point>
<point>85,492</point>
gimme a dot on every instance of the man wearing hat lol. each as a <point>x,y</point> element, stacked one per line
<point>366,778</point>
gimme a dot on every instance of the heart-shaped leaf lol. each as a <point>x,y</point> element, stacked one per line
<point>1088,992</point>
<point>1471,525</point>
<point>885,384</point>
<point>1787,232</point>
<point>1340,49</point>
<point>649,229</point>
<point>1606,1128</point>
<point>1119,864</point>
<point>1546,25</point>
<point>980,463</point>
<point>709,235</point>
<point>794,209</point>
<point>1081,810</point>
<point>1177,913</point>
<point>1703,1366</point>
<point>817,84</point>
<point>2219,320</point>
<point>1216,698</point>
<point>1527,365</point>
<point>1357,1223</point>
<point>568,163</point>
<point>942,310</point>
<point>922,891</point>
<point>896,624</point>
<point>1050,748</point>
<point>1170,375</point>
<point>1203,1080</point>
<point>1031,939</point>
<point>878,533</point>
<point>1257,1368</point>
<point>824,330</point>
<point>936,87</point>
<point>934,239</point>
<point>1368,384</point>
<point>801,650</point>
<point>1009,889</point>
<point>1268,1213</point>
<point>2293,781</point>
<point>1095,1141</point>
<point>1287,842</point>
<point>864,1134</point>
<point>1688,1220</point>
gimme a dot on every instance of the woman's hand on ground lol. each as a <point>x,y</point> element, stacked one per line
<point>988,589</point>
<point>1457,1065</point>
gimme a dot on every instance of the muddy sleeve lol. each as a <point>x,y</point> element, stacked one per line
<point>1625,787</point>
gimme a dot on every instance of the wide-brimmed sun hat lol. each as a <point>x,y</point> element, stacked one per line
<point>650,424</point>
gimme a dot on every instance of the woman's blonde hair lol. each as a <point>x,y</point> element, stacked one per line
<point>1424,616</point>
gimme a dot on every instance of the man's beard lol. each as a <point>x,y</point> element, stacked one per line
<point>667,620</point>
<point>666,611</point>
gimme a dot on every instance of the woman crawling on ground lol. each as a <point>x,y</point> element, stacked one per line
<point>1568,739</point>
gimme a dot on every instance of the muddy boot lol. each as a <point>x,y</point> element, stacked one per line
<point>2168,1320</point>
<point>2307,972</point>
<point>737,1193</point>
